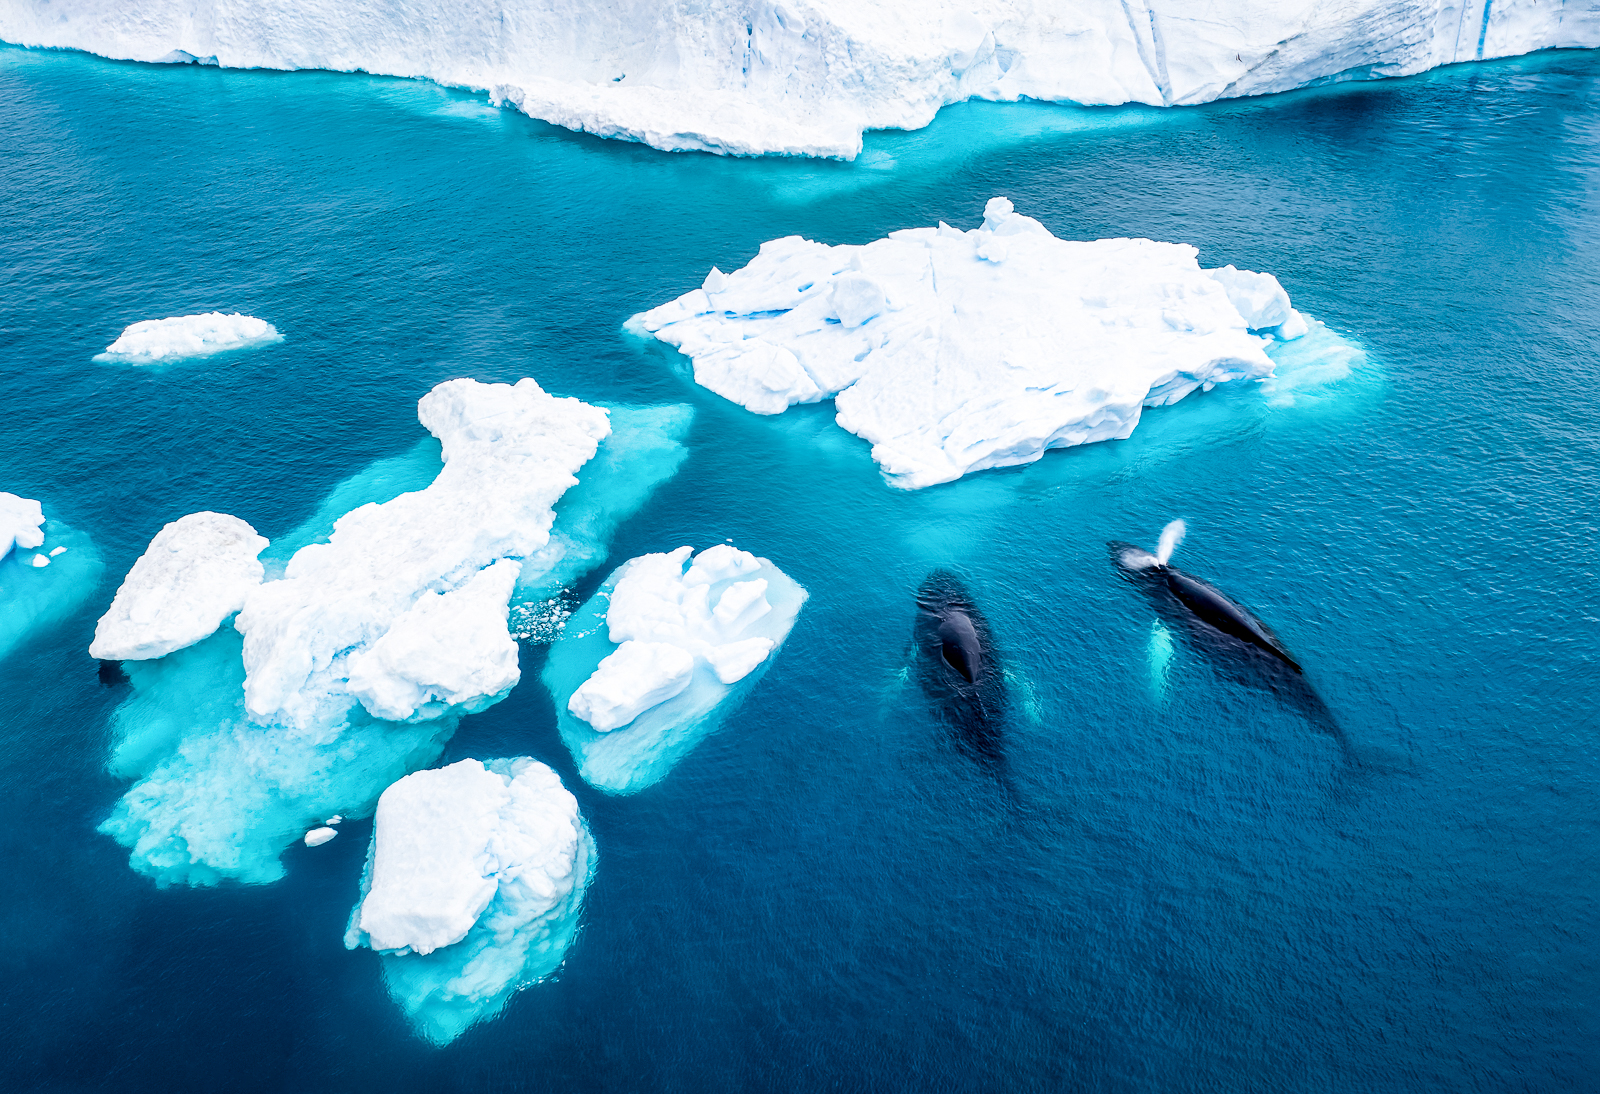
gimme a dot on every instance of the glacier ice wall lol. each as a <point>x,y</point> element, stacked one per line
<point>806,77</point>
<point>220,792</point>
<point>683,648</point>
<point>956,351</point>
<point>473,888</point>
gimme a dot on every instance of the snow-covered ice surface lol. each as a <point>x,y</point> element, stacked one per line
<point>806,77</point>
<point>359,645</point>
<point>956,351</point>
<point>155,341</point>
<point>656,659</point>
<point>21,523</point>
<point>34,597</point>
<point>197,571</point>
<point>473,888</point>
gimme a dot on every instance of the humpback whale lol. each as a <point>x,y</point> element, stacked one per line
<point>956,664</point>
<point>1199,599</point>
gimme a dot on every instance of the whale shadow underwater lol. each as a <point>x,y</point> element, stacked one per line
<point>958,669</point>
<point>1238,646</point>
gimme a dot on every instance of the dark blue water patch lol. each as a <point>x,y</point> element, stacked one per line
<point>1197,889</point>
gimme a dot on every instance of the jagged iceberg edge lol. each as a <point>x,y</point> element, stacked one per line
<point>473,888</point>
<point>806,77</point>
<point>159,341</point>
<point>641,752</point>
<point>953,352</point>
<point>218,795</point>
<point>50,575</point>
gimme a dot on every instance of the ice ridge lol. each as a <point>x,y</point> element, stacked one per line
<point>953,351</point>
<point>473,888</point>
<point>660,654</point>
<point>806,77</point>
<point>369,650</point>
<point>154,341</point>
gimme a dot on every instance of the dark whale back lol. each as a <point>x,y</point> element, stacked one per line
<point>1210,605</point>
<point>956,664</point>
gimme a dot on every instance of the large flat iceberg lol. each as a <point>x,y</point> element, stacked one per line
<point>473,888</point>
<point>155,341</point>
<point>197,571</point>
<point>956,351</point>
<point>806,77</point>
<point>381,622</point>
<point>660,655</point>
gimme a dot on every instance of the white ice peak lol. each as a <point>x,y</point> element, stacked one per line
<point>956,351</point>
<point>807,76</point>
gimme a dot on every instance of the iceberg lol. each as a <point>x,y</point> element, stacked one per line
<point>155,341</point>
<point>41,588</point>
<point>655,660</point>
<point>473,888</point>
<point>197,571</point>
<point>806,77</point>
<point>953,351</point>
<point>21,523</point>
<point>381,622</point>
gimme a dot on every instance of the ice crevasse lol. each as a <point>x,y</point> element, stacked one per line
<point>806,77</point>
<point>363,637</point>
<point>473,888</point>
<point>954,351</point>
<point>660,654</point>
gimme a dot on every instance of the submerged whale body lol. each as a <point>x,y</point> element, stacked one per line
<point>956,664</point>
<point>1198,599</point>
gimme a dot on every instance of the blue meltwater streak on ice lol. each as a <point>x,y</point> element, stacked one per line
<point>217,796</point>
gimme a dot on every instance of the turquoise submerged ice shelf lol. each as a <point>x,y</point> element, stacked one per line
<point>219,796</point>
<point>1198,890</point>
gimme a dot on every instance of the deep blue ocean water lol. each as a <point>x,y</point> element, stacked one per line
<point>1191,890</point>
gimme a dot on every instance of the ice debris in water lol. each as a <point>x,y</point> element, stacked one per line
<point>318,836</point>
<point>473,887</point>
<point>956,351</point>
<point>156,340</point>
<point>541,622</point>
<point>21,523</point>
<point>805,77</point>
<point>34,593</point>
<point>196,572</point>
<point>389,603</point>
<point>658,656</point>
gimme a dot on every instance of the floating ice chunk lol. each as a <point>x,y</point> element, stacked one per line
<point>335,819</point>
<point>157,340</point>
<point>41,561</point>
<point>1259,297</point>
<point>510,452</point>
<point>318,836</point>
<point>632,680</point>
<point>957,351</point>
<point>751,76</point>
<point>218,795</point>
<point>21,523</point>
<point>447,650</point>
<point>647,666</point>
<point>196,572</point>
<point>473,887</point>
<point>54,551</point>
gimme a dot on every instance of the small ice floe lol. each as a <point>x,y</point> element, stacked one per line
<point>156,340</point>
<point>41,560</point>
<point>318,836</point>
<point>54,551</point>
